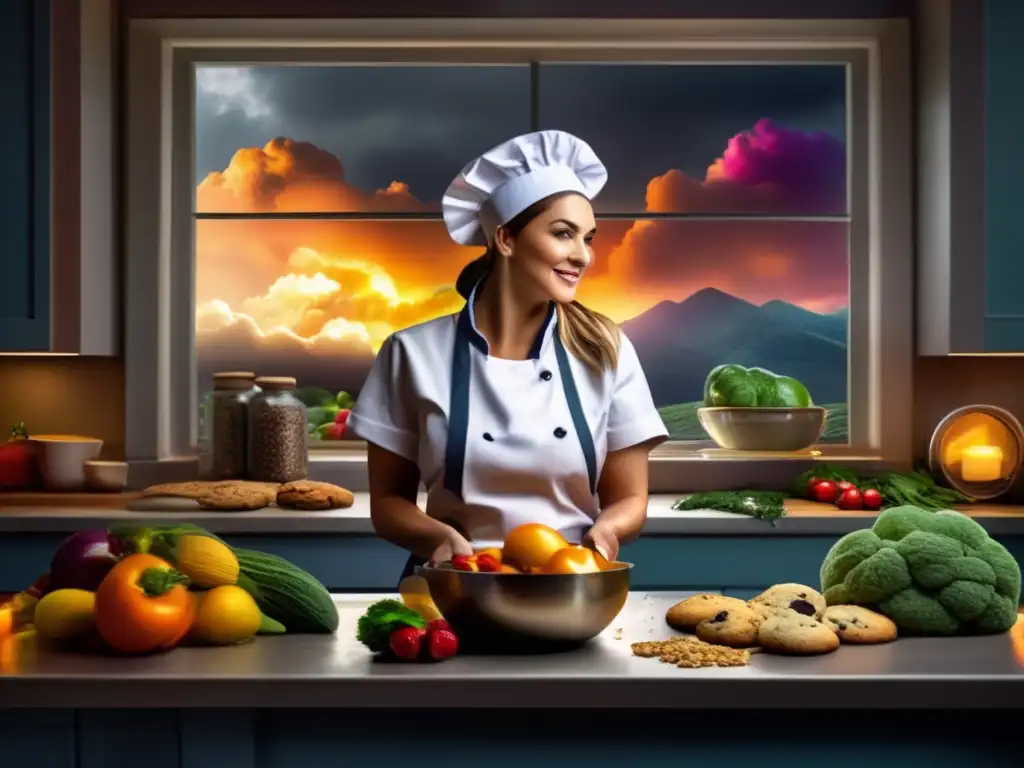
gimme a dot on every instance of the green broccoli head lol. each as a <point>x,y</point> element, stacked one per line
<point>933,573</point>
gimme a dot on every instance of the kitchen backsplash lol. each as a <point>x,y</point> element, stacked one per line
<point>86,395</point>
<point>80,395</point>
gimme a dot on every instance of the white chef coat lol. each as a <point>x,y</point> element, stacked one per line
<point>496,441</point>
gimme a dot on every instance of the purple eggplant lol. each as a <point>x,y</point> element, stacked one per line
<point>83,560</point>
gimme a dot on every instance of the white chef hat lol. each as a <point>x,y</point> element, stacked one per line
<point>506,180</point>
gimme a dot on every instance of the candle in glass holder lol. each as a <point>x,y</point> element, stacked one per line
<point>981,464</point>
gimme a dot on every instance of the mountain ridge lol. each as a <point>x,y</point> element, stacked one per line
<point>678,343</point>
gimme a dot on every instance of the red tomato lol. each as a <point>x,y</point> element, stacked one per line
<point>333,432</point>
<point>850,499</point>
<point>17,462</point>
<point>872,499</point>
<point>844,485</point>
<point>825,492</point>
<point>341,417</point>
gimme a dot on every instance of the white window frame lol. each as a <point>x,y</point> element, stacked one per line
<point>160,381</point>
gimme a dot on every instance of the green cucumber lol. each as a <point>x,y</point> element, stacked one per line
<point>286,593</point>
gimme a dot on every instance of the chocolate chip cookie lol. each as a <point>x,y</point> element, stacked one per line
<point>187,490</point>
<point>856,624</point>
<point>196,489</point>
<point>791,633</point>
<point>736,627</point>
<point>309,494</point>
<point>685,615</point>
<point>792,597</point>
<point>226,497</point>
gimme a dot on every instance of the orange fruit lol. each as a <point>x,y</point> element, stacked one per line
<point>532,545</point>
<point>495,552</point>
<point>575,559</point>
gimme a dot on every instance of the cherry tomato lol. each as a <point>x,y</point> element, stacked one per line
<point>811,485</point>
<point>844,485</point>
<point>872,499</point>
<point>825,491</point>
<point>850,499</point>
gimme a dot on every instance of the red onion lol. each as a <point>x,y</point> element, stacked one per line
<point>83,560</point>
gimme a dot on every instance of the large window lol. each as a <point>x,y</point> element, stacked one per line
<point>723,233</point>
<point>285,195</point>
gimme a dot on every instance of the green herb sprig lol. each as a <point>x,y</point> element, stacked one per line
<point>764,505</point>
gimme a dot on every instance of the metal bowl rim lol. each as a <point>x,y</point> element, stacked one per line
<point>625,567</point>
<point>751,409</point>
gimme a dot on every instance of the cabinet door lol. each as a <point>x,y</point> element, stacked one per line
<point>1004,316</point>
<point>25,203</point>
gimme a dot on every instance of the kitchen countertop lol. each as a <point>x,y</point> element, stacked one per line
<point>62,513</point>
<point>336,671</point>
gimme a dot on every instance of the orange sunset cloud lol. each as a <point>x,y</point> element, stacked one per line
<point>341,287</point>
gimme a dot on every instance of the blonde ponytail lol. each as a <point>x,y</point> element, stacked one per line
<point>589,336</point>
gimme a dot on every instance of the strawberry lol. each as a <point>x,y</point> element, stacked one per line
<point>465,563</point>
<point>437,625</point>
<point>442,644</point>
<point>406,643</point>
<point>488,563</point>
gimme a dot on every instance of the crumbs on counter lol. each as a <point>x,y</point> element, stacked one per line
<point>691,653</point>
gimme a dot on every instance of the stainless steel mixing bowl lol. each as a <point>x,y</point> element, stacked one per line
<point>511,612</point>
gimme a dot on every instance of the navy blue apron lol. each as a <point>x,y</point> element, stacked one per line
<point>458,411</point>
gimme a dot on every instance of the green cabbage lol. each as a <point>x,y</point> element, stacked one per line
<point>933,573</point>
<point>739,387</point>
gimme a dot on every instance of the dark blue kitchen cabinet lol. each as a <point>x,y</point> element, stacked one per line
<point>970,266</point>
<point>1004,169</point>
<point>25,209</point>
<point>58,264</point>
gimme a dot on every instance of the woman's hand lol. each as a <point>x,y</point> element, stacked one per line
<point>602,539</point>
<point>453,543</point>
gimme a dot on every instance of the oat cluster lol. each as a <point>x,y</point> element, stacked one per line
<point>692,653</point>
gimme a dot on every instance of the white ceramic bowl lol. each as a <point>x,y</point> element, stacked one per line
<point>62,458</point>
<point>108,476</point>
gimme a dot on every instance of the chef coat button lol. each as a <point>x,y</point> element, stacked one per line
<point>488,438</point>
<point>559,433</point>
<point>545,375</point>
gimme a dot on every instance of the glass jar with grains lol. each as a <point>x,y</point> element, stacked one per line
<point>226,422</point>
<point>278,451</point>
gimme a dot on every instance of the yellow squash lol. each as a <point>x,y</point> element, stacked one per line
<point>416,595</point>
<point>206,561</point>
<point>228,615</point>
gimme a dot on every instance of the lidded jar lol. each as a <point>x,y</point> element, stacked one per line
<point>226,424</point>
<point>278,450</point>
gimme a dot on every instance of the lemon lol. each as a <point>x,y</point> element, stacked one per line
<point>226,615</point>
<point>65,614</point>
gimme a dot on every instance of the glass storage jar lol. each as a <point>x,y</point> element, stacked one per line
<point>278,450</point>
<point>226,425</point>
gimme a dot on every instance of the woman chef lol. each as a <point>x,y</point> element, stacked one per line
<point>526,406</point>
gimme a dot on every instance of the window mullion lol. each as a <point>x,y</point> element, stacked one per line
<point>534,95</point>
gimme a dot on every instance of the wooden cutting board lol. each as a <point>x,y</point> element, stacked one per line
<point>94,500</point>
